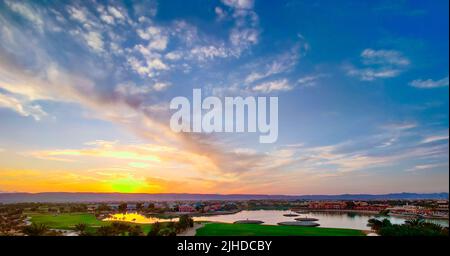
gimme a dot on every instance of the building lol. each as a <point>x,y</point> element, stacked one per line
<point>186,208</point>
<point>328,205</point>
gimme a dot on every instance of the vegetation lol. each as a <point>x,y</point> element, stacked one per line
<point>414,227</point>
<point>120,229</point>
<point>123,207</point>
<point>222,229</point>
<point>171,228</point>
<point>88,225</point>
<point>81,228</point>
<point>184,223</point>
<point>11,221</point>
<point>155,229</point>
<point>36,230</point>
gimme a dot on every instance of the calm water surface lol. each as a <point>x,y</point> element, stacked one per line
<point>272,217</point>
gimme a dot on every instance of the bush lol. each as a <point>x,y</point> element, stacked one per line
<point>156,227</point>
<point>416,227</point>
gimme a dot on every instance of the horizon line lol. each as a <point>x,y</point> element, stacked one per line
<point>225,194</point>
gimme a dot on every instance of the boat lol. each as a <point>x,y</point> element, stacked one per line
<point>290,215</point>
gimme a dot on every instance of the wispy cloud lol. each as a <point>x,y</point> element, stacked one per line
<point>429,83</point>
<point>435,138</point>
<point>384,57</point>
<point>245,32</point>
<point>279,64</point>
<point>379,64</point>
<point>273,86</point>
<point>399,126</point>
<point>27,11</point>
<point>426,167</point>
<point>239,4</point>
<point>310,80</point>
<point>21,106</point>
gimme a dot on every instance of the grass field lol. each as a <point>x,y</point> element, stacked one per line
<point>222,229</point>
<point>69,220</point>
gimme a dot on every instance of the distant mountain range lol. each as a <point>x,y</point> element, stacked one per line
<point>116,197</point>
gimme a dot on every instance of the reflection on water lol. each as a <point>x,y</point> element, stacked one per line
<point>136,218</point>
<point>272,217</point>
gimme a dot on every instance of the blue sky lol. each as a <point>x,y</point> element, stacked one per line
<point>362,87</point>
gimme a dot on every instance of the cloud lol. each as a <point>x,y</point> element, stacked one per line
<point>159,86</point>
<point>138,93</point>
<point>105,16</point>
<point>203,53</point>
<point>26,11</point>
<point>175,55</point>
<point>78,14</point>
<point>309,81</point>
<point>156,37</point>
<point>94,41</point>
<point>130,89</point>
<point>114,11</point>
<point>186,33</point>
<point>379,64</point>
<point>22,106</point>
<point>244,38</point>
<point>429,83</point>
<point>221,13</point>
<point>245,32</point>
<point>384,57</point>
<point>279,64</point>
<point>102,149</point>
<point>149,67</point>
<point>399,126</point>
<point>263,75</point>
<point>239,4</point>
<point>273,86</point>
<point>371,74</point>
<point>426,167</point>
<point>90,31</point>
<point>435,138</point>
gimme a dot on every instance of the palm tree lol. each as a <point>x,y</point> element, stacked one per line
<point>81,227</point>
<point>415,222</point>
<point>120,228</point>
<point>36,229</point>
<point>106,231</point>
<point>123,207</point>
<point>135,231</point>
<point>156,227</point>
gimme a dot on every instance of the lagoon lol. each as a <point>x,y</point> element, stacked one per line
<point>272,217</point>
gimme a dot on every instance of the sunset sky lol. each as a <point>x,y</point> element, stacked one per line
<point>363,95</point>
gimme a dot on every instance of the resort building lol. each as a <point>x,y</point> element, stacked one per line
<point>186,208</point>
<point>327,205</point>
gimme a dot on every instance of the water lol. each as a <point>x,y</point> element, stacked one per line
<point>136,218</point>
<point>272,217</point>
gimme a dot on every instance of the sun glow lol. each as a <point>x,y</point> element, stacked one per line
<point>131,217</point>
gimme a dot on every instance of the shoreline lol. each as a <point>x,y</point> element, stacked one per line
<point>376,213</point>
<point>170,215</point>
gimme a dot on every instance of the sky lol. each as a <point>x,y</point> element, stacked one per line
<point>362,87</point>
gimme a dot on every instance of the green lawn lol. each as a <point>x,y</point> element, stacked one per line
<point>222,229</point>
<point>68,221</point>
